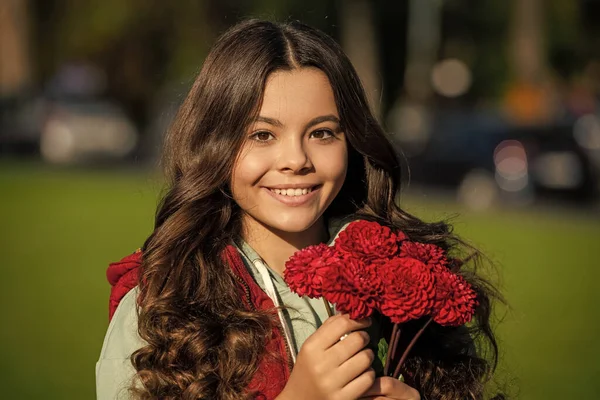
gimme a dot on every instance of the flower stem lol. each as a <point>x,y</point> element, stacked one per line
<point>328,307</point>
<point>409,347</point>
<point>393,344</point>
<point>395,340</point>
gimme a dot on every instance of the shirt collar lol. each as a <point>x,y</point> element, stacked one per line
<point>335,226</point>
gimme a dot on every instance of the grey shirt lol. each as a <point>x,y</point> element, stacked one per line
<point>114,371</point>
<point>302,314</point>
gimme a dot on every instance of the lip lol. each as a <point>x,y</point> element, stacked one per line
<point>293,201</point>
<point>293,186</point>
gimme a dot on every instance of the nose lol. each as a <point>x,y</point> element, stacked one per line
<point>293,157</point>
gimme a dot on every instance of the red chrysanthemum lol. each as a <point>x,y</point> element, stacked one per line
<point>367,240</point>
<point>429,254</point>
<point>409,290</point>
<point>372,268</point>
<point>455,299</point>
<point>354,287</point>
<point>401,237</point>
<point>305,270</point>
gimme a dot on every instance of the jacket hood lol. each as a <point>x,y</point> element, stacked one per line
<point>122,276</point>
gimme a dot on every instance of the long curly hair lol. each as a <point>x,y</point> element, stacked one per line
<point>201,342</point>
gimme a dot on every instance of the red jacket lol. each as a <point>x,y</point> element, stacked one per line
<point>272,373</point>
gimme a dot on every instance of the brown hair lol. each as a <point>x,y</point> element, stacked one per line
<point>201,343</point>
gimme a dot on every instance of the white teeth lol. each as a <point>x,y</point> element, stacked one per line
<point>292,192</point>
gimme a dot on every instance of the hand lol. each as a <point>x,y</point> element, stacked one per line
<point>328,368</point>
<point>389,388</point>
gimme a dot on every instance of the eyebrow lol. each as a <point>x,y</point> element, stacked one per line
<point>312,122</point>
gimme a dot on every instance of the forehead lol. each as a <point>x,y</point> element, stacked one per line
<point>298,93</point>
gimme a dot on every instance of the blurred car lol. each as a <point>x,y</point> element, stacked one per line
<point>85,130</point>
<point>68,121</point>
<point>485,160</point>
<point>20,119</point>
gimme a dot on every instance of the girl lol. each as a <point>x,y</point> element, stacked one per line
<point>273,148</point>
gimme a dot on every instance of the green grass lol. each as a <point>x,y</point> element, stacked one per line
<point>60,228</point>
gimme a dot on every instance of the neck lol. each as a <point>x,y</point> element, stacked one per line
<point>276,247</point>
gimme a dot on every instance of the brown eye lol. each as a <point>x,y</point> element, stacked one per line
<point>322,134</point>
<point>262,136</point>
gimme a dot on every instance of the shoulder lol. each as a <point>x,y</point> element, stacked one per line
<point>122,337</point>
<point>114,371</point>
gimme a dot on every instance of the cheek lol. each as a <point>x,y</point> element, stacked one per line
<point>247,171</point>
<point>334,165</point>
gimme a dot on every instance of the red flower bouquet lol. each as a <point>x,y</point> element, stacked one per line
<point>371,269</point>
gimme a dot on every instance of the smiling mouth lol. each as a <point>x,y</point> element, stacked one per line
<point>291,192</point>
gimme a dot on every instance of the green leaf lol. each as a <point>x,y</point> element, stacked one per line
<point>382,350</point>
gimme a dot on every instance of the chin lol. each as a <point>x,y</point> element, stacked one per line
<point>292,225</point>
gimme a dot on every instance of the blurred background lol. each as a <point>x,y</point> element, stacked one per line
<point>493,105</point>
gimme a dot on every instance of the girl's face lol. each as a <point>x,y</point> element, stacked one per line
<point>294,160</point>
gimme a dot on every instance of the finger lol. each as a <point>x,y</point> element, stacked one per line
<point>362,323</point>
<point>337,326</point>
<point>358,385</point>
<point>356,365</point>
<point>392,388</point>
<point>344,349</point>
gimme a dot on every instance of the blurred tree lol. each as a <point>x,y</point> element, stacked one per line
<point>143,46</point>
<point>471,31</point>
<point>15,61</point>
<point>565,45</point>
<point>391,19</point>
<point>548,51</point>
<point>475,32</point>
<point>527,48</point>
<point>358,37</point>
<point>530,98</point>
<point>423,46</point>
<point>590,15</point>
